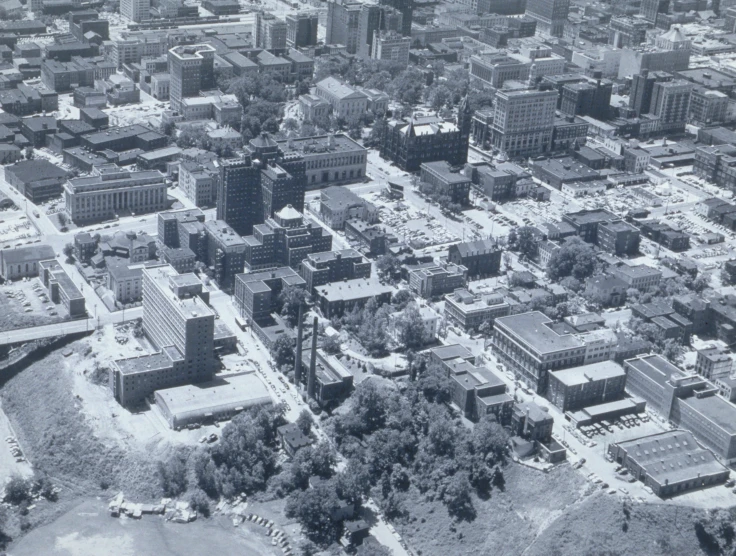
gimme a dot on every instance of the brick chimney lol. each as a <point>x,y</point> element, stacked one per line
<point>298,362</point>
<point>312,378</point>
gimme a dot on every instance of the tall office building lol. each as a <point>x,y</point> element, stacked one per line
<point>343,18</point>
<point>391,46</point>
<point>651,8</point>
<point>191,70</point>
<point>283,184</point>
<point>550,15</point>
<point>301,29</point>
<point>271,32</point>
<point>180,324</point>
<point>406,7</point>
<point>135,10</point>
<point>374,19</point>
<point>239,195</point>
<point>523,122</point>
<point>671,101</point>
<point>173,315</point>
<point>642,85</point>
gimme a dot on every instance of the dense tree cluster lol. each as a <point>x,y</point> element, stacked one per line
<point>410,439</point>
<point>671,349</point>
<point>524,241</point>
<point>290,299</point>
<point>369,324</point>
<point>172,474</point>
<point>245,457</point>
<point>575,258</point>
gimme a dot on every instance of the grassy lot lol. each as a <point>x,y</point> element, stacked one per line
<point>58,441</point>
<point>505,523</point>
<point>553,514</point>
<point>596,526</point>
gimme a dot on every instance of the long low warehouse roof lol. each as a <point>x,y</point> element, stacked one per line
<point>223,394</point>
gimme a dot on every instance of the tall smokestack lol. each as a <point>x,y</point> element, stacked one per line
<point>526,422</point>
<point>298,362</point>
<point>312,378</point>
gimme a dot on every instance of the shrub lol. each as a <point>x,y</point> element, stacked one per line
<point>18,490</point>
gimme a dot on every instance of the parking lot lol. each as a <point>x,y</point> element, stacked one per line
<point>16,230</point>
<point>411,225</point>
<point>24,303</point>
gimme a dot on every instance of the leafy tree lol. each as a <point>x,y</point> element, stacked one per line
<point>290,124</point>
<point>17,490</point>
<point>575,258</point>
<point>456,496</point>
<point>63,219</point>
<point>410,328</point>
<point>69,252</point>
<point>527,242</point>
<point>290,299</point>
<point>332,344</point>
<point>314,509</point>
<point>282,351</point>
<point>402,299</point>
<point>304,422</point>
<point>353,483</point>
<point>407,87</point>
<point>388,265</point>
<point>200,503</point>
<point>172,475</point>
<point>376,134</point>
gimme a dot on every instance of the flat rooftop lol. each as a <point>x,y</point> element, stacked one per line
<point>242,391</point>
<point>576,376</point>
<point>533,329</point>
<point>716,410</point>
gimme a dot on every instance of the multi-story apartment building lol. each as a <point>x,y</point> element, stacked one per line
<point>136,10</point>
<point>452,181</point>
<point>714,362</point>
<point>523,122</point>
<point>342,24</point>
<point>169,221</point>
<point>550,15</point>
<point>431,279</point>
<point>642,86</point>
<point>180,324</point>
<point>626,31</point>
<point>707,107</point>
<point>390,46</point>
<point>531,348</point>
<point>239,195</point>
<point>192,70</point>
<point>339,204</point>
<point>579,387</point>
<point>271,31</point>
<point>318,269</point>
<point>482,258</point>
<point>125,281</point>
<point>651,8</point>
<point>257,293</point>
<point>406,8</point>
<point>618,237</point>
<point>286,239</point>
<point>283,184</point>
<point>640,277</point>
<point>671,102</point>
<point>301,29</point>
<point>198,182</point>
<point>469,311</point>
<point>225,252</point>
<point>111,191</point>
